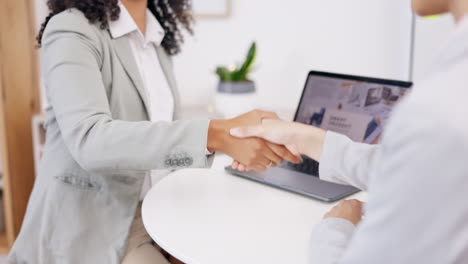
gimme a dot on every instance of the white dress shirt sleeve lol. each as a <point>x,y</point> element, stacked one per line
<point>417,178</point>
<point>417,210</point>
<point>346,162</point>
<point>329,240</point>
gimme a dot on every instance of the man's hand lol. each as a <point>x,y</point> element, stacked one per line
<point>255,153</point>
<point>296,137</point>
<point>350,210</point>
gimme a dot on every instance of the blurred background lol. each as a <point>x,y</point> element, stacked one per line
<point>377,38</point>
<point>362,37</point>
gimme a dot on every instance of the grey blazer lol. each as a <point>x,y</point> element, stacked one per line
<point>99,147</point>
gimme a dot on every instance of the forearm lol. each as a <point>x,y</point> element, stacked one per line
<point>310,141</point>
<point>218,130</point>
<point>106,144</point>
<point>341,160</point>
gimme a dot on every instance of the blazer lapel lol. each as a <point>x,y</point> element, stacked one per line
<point>124,52</point>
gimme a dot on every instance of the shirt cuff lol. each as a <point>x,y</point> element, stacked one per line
<point>332,152</point>
<point>329,240</point>
<point>207,152</point>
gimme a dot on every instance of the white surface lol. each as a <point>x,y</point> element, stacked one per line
<point>368,37</point>
<point>210,7</point>
<point>232,105</point>
<point>204,216</point>
<point>41,11</point>
<point>430,35</point>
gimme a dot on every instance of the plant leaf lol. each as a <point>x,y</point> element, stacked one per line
<point>244,70</point>
<point>224,74</point>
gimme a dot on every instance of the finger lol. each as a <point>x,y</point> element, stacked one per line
<point>267,156</point>
<point>284,153</point>
<point>248,169</point>
<point>273,155</point>
<point>355,202</point>
<point>359,204</point>
<point>264,160</point>
<point>294,150</point>
<point>342,203</point>
<point>235,164</point>
<point>257,168</point>
<point>247,131</point>
<point>260,163</point>
<point>259,156</point>
<point>242,167</point>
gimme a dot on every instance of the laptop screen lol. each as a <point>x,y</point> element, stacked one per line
<point>354,106</point>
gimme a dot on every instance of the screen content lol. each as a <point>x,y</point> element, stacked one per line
<point>357,109</point>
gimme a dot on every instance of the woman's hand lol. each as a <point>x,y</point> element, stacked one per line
<point>255,153</point>
<point>296,137</point>
<point>350,210</point>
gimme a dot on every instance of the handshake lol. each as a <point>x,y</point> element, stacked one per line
<point>258,140</point>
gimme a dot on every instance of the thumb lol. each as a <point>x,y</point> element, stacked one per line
<point>247,131</point>
<point>294,150</point>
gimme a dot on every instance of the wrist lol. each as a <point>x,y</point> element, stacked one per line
<point>312,140</point>
<point>217,132</point>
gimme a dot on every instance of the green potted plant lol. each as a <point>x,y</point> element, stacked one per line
<point>235,89</point>
<point>235,79</point>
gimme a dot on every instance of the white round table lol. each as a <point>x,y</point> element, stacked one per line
<point>207,216</point>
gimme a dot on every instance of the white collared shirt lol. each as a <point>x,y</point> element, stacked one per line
<point>160,97</point>
<point>417,210</point>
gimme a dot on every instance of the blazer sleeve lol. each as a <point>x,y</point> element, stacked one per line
<point>71,65</point>
<point>347,162</point>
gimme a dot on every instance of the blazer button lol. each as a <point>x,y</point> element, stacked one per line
<point>188,161</point>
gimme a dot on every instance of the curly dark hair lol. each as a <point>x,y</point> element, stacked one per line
<point>173,15</point>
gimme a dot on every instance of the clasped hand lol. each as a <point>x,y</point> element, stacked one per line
<point>253,152</point>
<point>299,139</point>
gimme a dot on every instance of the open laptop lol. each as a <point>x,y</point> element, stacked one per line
<point>355,106</point>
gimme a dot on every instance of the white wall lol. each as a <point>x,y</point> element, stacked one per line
<point>41,12</point>
<point>430,34</point>
<point>367,37</point>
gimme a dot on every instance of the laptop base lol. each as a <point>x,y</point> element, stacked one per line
<point>297,182</point>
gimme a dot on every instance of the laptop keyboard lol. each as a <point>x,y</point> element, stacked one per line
<point>308,166</point>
